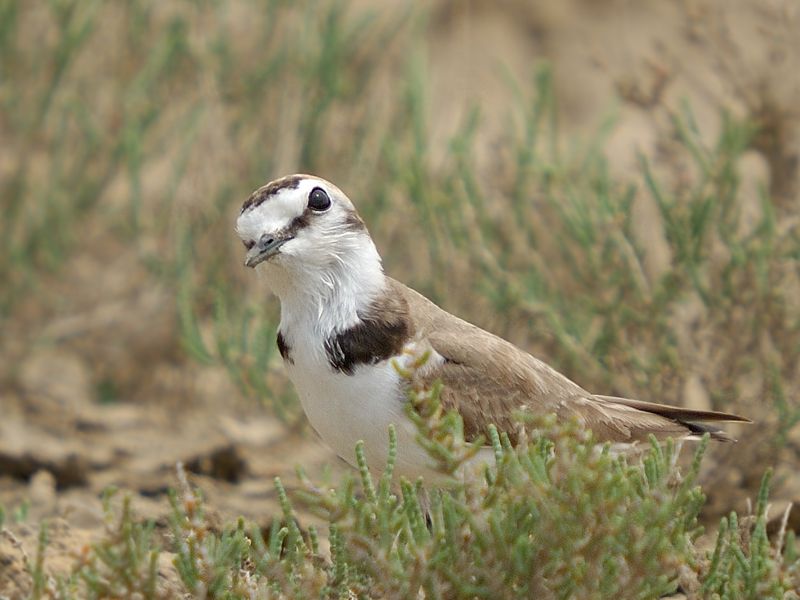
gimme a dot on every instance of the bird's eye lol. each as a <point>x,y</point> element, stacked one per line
<point>319,200</point>
<point>249,244</point>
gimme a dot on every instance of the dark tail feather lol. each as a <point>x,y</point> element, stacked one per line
<point>694,420</point>
<point>700,429</point>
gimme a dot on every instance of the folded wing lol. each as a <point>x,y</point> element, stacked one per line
<point>487,379</point>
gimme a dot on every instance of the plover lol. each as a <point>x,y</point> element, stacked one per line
<point>343,321</point>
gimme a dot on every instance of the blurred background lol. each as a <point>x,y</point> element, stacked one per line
<point>611,185</point>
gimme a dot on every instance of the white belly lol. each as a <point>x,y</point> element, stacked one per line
<point>346,408</point>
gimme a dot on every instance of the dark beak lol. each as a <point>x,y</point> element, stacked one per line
<point>267,246</point>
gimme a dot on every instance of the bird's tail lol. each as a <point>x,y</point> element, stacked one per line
<point>697,422</point>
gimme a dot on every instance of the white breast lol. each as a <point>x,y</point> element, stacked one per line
<point>343,409</point>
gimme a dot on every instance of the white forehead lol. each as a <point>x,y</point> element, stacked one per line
<point>277,211</point>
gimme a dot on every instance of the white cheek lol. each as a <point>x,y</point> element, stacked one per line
<point>293,253</point>
<point>311,244</point>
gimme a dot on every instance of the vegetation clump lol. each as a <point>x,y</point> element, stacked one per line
<point>557,516</point>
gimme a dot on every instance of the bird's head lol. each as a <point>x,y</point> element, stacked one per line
<point>304,228</point>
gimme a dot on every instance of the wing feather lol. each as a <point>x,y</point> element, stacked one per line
<point>487,379</point>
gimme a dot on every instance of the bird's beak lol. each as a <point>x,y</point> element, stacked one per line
<point>267,246</point>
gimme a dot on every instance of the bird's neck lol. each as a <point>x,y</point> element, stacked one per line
<point>330,298</point>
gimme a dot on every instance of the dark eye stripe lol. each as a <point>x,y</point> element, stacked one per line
<point>300,222</point>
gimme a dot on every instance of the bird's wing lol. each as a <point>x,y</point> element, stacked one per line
<point>487,379</point>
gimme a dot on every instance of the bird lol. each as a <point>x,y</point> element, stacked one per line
<point>344,324</point>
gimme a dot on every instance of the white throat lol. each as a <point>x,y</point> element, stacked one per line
<point>323,298</point>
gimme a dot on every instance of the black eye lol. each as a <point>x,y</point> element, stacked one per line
<point>318,199</point>
<point>248,244</point>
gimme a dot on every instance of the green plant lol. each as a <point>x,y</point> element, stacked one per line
<point>124,563</point>
<point>556,517</point>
